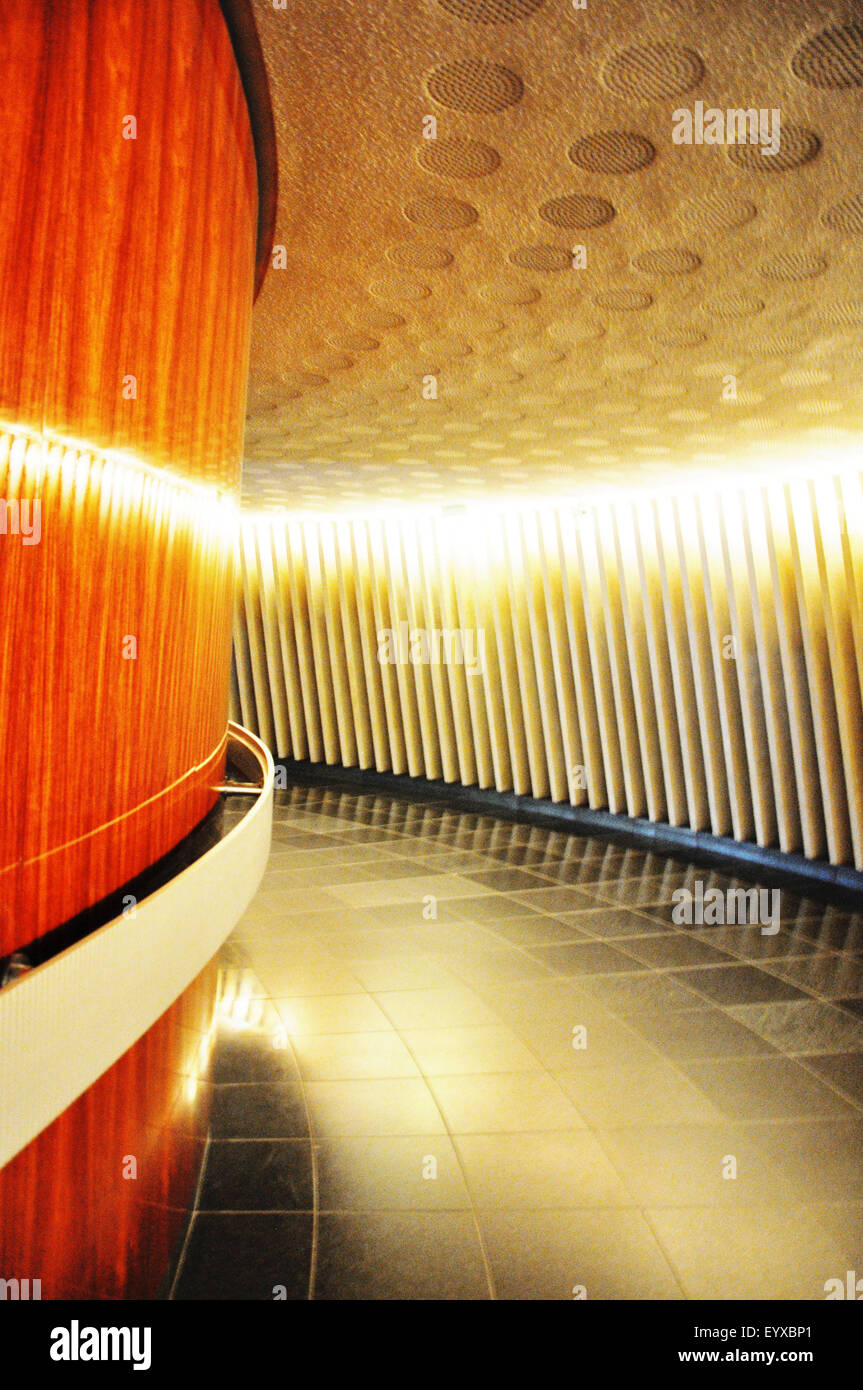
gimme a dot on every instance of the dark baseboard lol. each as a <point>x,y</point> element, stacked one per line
<point>814,877</point>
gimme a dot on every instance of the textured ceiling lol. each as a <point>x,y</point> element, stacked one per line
<point>409,258</point>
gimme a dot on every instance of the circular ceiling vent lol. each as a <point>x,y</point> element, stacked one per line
<point>833,58</point>
<point>534,357</point>
<point>845,216</point>
<point>797,146</point>
<point>778,346</point>
<point>794,265</point>
<point>734,306</point>
<point>570,331</point>
<point>333,362</point>
<point>612,152</point>
<point>382,321</point>
<point>420,257</point>
<point>455,158</point>
<point>452,349</point>
<point>474,85</point>
<point>654,71</point>
<point>544,257</point>
<point>662,390</point>
<point>683,338</point>
<point>517,295</point>
<point>806,376</point>
<point>628,362</point>
<point>845,315</point>
<point>669,260</point>
<point>410,290</point>
<point>717,213</point>
<point>355,342</point>
<point>623,300</point>
<point>441,214</point>
<point>490,11</point>
<point>577,210</point>
<point>295,381</point>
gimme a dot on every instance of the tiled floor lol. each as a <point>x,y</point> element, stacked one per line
<point>465,1058</point>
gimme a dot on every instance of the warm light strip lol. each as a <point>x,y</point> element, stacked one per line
<point>692,658</point>
<point>60,447</point>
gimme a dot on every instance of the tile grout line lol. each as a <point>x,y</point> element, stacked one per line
<point>192,1218</point>
<point>473,1209</point>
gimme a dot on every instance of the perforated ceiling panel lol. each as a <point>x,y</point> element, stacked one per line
<point>550,295</point>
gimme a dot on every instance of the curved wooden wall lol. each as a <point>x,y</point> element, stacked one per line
<point>128,228</point>
<point>693,659</point>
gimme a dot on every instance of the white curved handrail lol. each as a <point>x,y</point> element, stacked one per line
<point>65,1022</point>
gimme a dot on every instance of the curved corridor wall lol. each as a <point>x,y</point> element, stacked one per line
<point>694,659</point>
<point>128,229</point>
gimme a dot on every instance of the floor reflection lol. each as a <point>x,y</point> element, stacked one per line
<point>459,1057</point>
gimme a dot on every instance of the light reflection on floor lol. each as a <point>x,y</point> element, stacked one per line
<point>464,1058</point>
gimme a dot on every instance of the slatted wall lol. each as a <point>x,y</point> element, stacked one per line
<point>695,659</point>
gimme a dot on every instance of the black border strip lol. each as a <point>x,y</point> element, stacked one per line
<point>243,31</point>
<point>837,883</point>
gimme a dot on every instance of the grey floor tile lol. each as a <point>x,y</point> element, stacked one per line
<point>816,1159</point>
<point>396,1173</point>
<point>576,1254</point>
<point>399,1255</point>
<point>468,1051</point>
<point>500,1103</point>
<point>685,1165</point>
<point>803,1025</point>
<point>260,1110</point>
<point>671,950</point>
<point>563,1168</point>
<point>250,1256</point>
<point>379,1107</point>
<point>586,958</point>
<point>763,1253</point>
<point>613,923</point>
<point>765,1088</point>
<point>611,1097</point>
<point>737,984</point>
<point>353,1056</point>
<point>454,1007</point>
<point>641,996</point>
<point>830,976</point>
<point>490,1021</point>
<point>844,1070</point>
<point>702,1032</point>
<point>257,1175</point>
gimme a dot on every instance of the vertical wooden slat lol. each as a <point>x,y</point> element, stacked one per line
<point>600,662</point>
<point>789,632</point>
<point>701,656</point>
<point>827,525</point>
<point>721,639</point>
<point>299,744</point>
<point>765,635</point>
<point>579,651</point>
<point>660,662</point>
<point>554,619</point>
<point>810,604</point>
<point>647,656</point>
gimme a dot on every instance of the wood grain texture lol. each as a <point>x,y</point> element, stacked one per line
<point>71,1214</point>
<point>694,660</point>
<point>120,258</point>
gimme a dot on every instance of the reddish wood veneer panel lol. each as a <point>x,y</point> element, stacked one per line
<point>117,257</point>
<point>68,1215</point>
